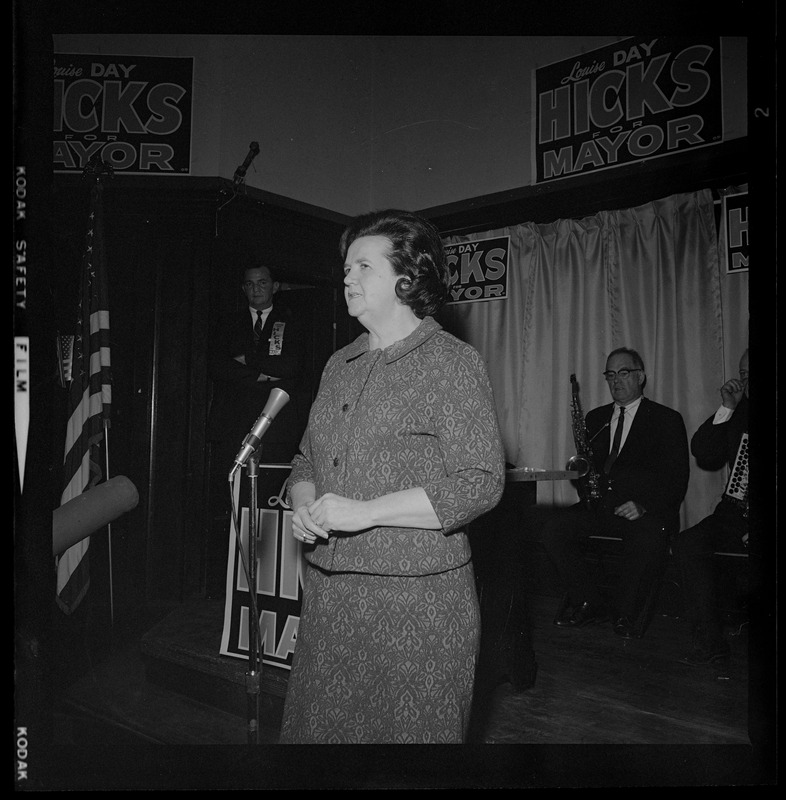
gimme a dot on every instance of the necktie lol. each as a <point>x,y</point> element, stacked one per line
<point>615,448</point>
<point>258,327</point>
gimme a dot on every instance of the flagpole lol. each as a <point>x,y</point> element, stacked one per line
<point>89,393</point>
<point>109,529</point>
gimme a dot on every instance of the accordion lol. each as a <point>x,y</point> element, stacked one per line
<point>737,485</point>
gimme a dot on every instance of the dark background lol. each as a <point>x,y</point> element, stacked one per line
<point>172,257</point>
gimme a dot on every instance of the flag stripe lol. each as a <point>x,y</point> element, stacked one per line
<point>97,365</point>
<point>90,399</point>
<point>76,576</point>
<point>80,479</point>
<point>76,422</point>
<point>99,320</point>
<point>84,419</point>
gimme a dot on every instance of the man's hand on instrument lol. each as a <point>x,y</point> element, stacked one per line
<point>630,510</point>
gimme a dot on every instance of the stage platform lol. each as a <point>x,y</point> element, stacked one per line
<point>181,653</point>
<point>171,686</point>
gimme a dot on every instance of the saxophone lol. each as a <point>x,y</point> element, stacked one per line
<point>591,484</point>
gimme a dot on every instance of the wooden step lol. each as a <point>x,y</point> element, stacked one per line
<point>182,654</point>
<point>169,685</point>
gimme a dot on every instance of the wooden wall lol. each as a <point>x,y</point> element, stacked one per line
<point>173,249</point>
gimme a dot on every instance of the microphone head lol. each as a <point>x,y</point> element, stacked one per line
<point>277,399</point>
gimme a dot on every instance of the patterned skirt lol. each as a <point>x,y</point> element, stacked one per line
<point>383,660</point>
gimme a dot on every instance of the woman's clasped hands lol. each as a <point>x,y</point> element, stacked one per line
<point>328,514</point>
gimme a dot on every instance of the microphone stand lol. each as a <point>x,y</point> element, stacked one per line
<point>254,661</point>
<point>249,457</point>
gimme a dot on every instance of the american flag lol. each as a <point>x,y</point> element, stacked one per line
<point>89,400</point>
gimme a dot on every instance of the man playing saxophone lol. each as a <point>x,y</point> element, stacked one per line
<point>640,448</point>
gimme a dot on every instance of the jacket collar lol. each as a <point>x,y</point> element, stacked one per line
<point>642,405</point>
<point>427,328</point>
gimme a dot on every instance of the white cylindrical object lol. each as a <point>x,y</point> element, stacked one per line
<point>88,512</point>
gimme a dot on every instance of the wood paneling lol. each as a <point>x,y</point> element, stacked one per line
<point>173,248</point>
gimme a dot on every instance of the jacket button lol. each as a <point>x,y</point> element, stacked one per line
<point>335,462</point>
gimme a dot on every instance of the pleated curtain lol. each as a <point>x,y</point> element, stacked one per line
<point>652,278</point>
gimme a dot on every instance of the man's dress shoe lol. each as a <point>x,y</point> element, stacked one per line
<point>585,614</point>
<point>623,627</point>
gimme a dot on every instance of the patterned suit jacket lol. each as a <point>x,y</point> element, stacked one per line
<point>419,413</point>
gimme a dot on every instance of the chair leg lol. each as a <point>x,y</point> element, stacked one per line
<point>650,598</point>
<point>670,599</point>
<point>644,617</point>
<point>564,603</point>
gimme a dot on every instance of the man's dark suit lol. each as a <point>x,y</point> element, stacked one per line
<point>716,445</point>
<point>713,446</point>
<point>652,469</point>
<point>238,400</point>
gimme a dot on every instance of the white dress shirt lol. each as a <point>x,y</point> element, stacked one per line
<point>630,413</point>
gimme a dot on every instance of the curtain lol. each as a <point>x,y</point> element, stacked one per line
<point>649,278</point>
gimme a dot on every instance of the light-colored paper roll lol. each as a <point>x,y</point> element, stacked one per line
<point>88,512</point>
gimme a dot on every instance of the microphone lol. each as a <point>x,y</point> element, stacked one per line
<point>277,399</point>
<point>241,170</point>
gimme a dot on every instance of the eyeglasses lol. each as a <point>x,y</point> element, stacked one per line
<point>256,284</point>
<point>623,373</point>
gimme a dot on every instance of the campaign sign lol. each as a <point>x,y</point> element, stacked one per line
<point>735,218</point>
<point>478,269</point>
<point>133,111</point>
<point>644,97</point>
<point>279,572</point>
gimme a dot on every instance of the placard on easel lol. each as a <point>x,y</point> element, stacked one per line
<point>279,572</point>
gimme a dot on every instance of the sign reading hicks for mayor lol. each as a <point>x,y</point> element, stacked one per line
<point>135,111</point>
<point>641,98</point>
<point>478,269</point>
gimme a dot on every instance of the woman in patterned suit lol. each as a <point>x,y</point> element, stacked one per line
<point>401,452</point>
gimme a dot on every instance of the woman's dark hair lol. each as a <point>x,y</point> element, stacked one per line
<point>416,253</point>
